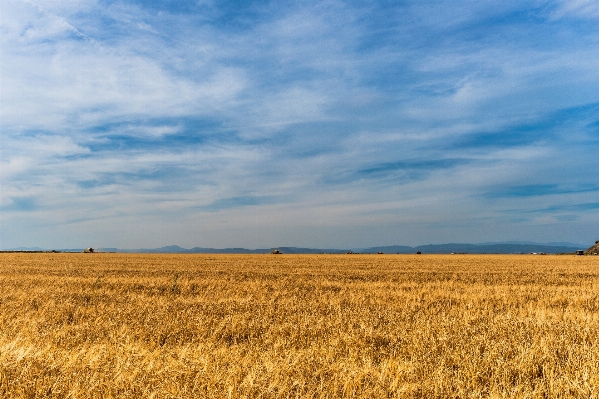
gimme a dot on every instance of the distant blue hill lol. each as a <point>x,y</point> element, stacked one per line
<point>199,250</point>
<point>486,248</point>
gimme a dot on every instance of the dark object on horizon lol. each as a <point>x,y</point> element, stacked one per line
<point>579,252</point>
<point>379,252</point>
<point>349,252</point>
<point>275,252</point>
<point>594,250</point>
<point>418,253</point>
<point>89,250</point>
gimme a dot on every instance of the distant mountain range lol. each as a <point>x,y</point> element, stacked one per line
<point>485,248</point>
<point>511,247</point>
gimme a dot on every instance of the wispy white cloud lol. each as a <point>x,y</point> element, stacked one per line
<point>578,8</point>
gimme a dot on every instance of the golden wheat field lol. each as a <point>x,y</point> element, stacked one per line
<point>298,326</point>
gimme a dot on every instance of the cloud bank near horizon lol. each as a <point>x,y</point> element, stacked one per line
<point>320,124</point>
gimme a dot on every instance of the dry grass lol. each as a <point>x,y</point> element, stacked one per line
<point>187,326</point>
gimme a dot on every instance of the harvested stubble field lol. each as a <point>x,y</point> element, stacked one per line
<point>326,326</point>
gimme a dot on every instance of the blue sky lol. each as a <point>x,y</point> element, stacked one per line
<point>312,123</point>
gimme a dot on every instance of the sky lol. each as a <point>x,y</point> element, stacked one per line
<point>326,124</point>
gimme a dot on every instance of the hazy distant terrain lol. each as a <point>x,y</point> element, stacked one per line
<point>491,248</point>
<point>486,248</point>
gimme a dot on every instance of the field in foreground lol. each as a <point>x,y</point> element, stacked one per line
<point>308,326</point>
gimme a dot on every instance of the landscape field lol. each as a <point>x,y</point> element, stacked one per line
<point>298,326</point>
